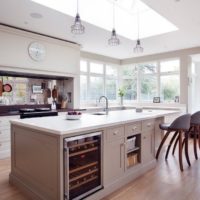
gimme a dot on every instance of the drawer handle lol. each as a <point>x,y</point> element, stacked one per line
<point>134,128</point>
<point>115,132</point>
<point>1,144</point>
<point>149,124</point>
<point>144,137</point>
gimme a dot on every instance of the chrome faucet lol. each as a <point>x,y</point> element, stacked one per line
<point>106,108</point>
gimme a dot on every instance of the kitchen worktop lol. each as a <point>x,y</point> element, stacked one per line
<point>60,125</point>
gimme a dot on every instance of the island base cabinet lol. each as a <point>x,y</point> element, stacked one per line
<point>113,161</point>
<point>148,147</point>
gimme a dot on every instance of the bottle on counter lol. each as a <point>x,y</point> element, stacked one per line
<point>53,105</point>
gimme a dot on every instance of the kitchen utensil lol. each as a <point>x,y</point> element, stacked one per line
<point>64,104</point>
<point>54,92</point>
<point>48,93</point>
<point>7,88</point>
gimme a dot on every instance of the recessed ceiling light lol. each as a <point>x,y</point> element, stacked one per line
<point>36,15</point>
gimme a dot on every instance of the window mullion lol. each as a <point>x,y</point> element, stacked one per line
<point>138,85</point>
<point>158,79</point>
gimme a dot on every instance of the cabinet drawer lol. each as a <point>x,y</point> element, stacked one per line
<point>115,133</point>
<point>133,128</point>
<point>148,125</point>
<point>4,146</point>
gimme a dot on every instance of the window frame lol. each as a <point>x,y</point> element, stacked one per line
<point>105,77</point>
<point>120,77</point>
<point>158,75</point>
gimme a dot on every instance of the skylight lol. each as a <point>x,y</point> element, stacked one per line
<point>99,13</point>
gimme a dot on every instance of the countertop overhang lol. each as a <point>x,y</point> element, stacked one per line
<point>59,125</point>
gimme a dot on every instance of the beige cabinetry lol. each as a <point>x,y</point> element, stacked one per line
<point>128,151</point>
<point>5,136</point>
<point>113,154</point>
<point>148,150</point>
<point>148,147</point>
<point>128,146</point>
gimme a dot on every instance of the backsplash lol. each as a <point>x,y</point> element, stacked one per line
<point>33,91</point>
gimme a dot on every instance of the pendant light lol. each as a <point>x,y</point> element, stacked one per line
<point>138,48</point>
<point>114,40</point>
<point>77,28</point>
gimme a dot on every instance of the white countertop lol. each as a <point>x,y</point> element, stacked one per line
<point>60,125</point>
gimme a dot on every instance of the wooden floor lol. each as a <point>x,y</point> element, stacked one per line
<point>165,182</point>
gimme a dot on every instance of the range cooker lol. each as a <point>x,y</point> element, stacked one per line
<point>36,112</point>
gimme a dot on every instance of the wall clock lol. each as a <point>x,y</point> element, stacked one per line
<point>37,51</point>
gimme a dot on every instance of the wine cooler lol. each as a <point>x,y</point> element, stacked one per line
<point>82,165</point>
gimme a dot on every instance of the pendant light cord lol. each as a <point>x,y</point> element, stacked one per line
<point>77,6</point>
<point>138,22</point>
<point>113,15</point>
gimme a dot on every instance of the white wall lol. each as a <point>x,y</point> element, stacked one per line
<point>62,58</point>
<point>101,58</point>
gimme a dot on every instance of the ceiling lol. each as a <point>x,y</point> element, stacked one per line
<point>184,14</point>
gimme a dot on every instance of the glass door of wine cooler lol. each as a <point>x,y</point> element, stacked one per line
<point>82,165</point>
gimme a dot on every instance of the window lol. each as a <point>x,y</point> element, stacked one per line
<point>169,80</point>
<point>96,68</point>
<point>142,82</point>
<point>129,82</point>
<point>111,71</point>
<point>148,87</point>
<point>130,86</point>
<point>148,81</point>
<point>169,85</point>
<point>99,79</point>
<point>169,66</point>
<point>111,89</point>
<point>83,83</point>
<point>96,87</point>
<point>83,66</point>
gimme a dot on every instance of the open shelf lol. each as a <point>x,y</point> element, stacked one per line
<point>134,149</point>
<point>133,153</point>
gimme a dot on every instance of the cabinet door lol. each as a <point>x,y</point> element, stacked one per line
<point>148,149</point>
<point>114,160</point>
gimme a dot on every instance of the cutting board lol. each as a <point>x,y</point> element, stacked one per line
<point>55,93</point>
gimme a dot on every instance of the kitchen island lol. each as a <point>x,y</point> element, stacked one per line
<point>38,152</point>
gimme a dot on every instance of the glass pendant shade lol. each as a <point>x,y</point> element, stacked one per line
<point>77,28</point>
<point>113,41</point>
<point>138,48</point>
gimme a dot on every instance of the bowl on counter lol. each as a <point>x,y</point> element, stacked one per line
<point>73,115</point>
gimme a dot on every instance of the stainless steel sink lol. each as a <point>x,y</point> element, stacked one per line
<point>99,113</point>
